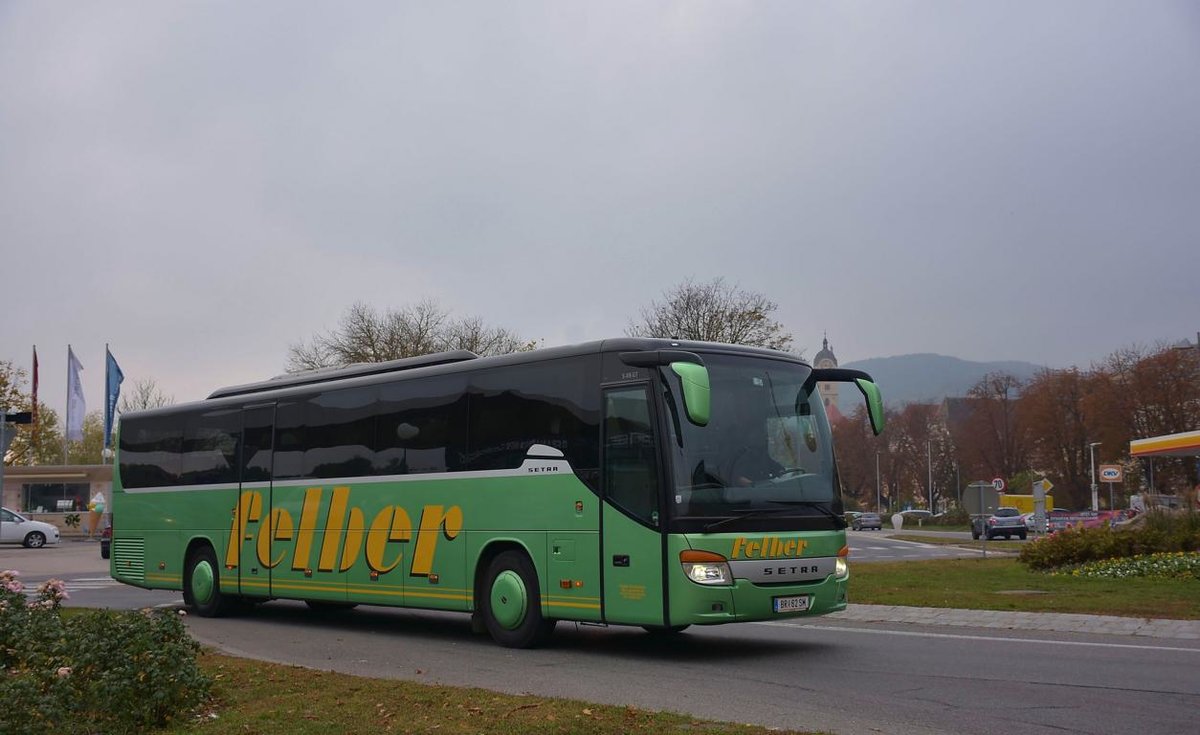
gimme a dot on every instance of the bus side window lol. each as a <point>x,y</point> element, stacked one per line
<point>151,451</point>
<point>630,463</point>
<point>421,426</point>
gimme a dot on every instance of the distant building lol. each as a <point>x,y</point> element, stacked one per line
<point>52,492</point>
<point>828,391</point>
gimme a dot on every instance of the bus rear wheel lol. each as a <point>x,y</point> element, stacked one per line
<point>512,604</point>
<point>202,585</point>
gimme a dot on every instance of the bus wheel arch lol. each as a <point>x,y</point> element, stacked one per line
<point>508,598</point>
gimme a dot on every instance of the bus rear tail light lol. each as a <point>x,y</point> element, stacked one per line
<point>705,567</point>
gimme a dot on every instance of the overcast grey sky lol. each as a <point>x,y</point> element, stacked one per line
<point>201,185</point>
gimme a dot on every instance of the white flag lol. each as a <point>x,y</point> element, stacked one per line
<point>75,404</point>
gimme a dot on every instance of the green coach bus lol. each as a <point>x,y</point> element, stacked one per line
<point>643,482</point>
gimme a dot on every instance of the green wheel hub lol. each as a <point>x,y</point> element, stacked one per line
<point>509,599</point>
<point>203,582</point>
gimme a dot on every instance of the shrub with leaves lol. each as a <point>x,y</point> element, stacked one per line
<point>1075,546</point>
<point>99,671</point>
<point>1169,565</point>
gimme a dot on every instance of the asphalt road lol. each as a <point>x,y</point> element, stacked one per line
<point>806,674</point>
<point>879,546</point>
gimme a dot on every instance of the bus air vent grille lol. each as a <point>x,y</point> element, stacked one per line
<point>129,558</point>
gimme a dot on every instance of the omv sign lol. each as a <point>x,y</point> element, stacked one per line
<point>1110,473</point>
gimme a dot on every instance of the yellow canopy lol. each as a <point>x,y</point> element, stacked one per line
<point>1186,444</point>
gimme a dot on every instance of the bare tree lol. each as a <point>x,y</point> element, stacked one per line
<point>143,394</point>
<point>472,334</point>
<point>995,433</point>
<point>713,312</point>
<point>367,335</point>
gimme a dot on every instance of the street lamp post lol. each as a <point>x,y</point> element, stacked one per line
<point>1095,500</point>
<point>929,464</point>
<point>878,503</point>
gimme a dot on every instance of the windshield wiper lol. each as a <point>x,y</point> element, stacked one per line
<point>818,506</point>
<point>815,505</point>
<point>741,515</point>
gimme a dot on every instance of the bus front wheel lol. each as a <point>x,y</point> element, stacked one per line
<point>203,585</point>
<point>512,604</point>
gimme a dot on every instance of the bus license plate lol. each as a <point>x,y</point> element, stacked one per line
<point>798,603</point>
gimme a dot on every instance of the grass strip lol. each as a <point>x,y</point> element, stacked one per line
<point>257,698</point>
<point>1005,584</point>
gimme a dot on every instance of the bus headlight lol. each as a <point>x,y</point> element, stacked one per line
<point>705,567</point>
<point>841,567</point>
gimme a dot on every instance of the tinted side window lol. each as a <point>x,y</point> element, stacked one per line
<point>210,447</point>
<point>556,403</point>
<point>630,459</point>
<point>421,426</point>
<point>150,451</point>
<point>257,425</point>
<point>290,426</point>
<point>340,433</point>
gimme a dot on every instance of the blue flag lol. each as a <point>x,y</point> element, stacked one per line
<point>113,377</point>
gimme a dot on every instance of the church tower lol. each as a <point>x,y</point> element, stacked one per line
<point>826,359</point>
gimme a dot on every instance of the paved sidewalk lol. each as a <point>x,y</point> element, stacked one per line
<point>1058,622</point>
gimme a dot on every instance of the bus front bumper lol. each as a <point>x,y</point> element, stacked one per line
<point>746,601</point>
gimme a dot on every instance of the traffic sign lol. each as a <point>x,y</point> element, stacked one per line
<point>1111,473</point>
<point>998,483</point>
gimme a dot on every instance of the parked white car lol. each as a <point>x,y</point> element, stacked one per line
<point>17,529</point>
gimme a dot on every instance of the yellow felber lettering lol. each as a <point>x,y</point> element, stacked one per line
<point>738,543</point>
<point>354,538</point>
<point>278,528</point>
<point>391,524</point>
<point>767,548</point>
<point>249,509</point>
<point>308,528</point>
<point>451,522</point>
<point>333,528</point>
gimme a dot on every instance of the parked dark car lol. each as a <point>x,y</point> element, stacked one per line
<point>1006,522</point>
<point>867,520</point>
<point>106,538</point>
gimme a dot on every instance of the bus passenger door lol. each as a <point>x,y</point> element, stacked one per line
<point>631,550</point>
<point>255,501</point>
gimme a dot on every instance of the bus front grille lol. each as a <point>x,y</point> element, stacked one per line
<point>129,558</point>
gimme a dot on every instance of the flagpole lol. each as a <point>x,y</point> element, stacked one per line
<point>107,414</point>
<point>67,423</point>
<point>33,432</point>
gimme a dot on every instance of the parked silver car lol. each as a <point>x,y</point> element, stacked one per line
<point>867,520</point>
<point>17,529</point>
<point>1006,522</point>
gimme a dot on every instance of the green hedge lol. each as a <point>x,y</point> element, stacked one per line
<point>1156,533</point>
<point>97,671</point>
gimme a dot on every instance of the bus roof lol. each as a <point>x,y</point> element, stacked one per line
<point>441,363</point>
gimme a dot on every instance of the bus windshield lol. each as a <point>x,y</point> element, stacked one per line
<point>767,446</point>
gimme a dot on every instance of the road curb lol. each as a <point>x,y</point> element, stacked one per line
<point>1007,620</point>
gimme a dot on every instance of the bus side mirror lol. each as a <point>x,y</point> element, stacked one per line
<point>697,396</point>
<point>865,384</point>
<point>874,398</point>
<point>693,376</point>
